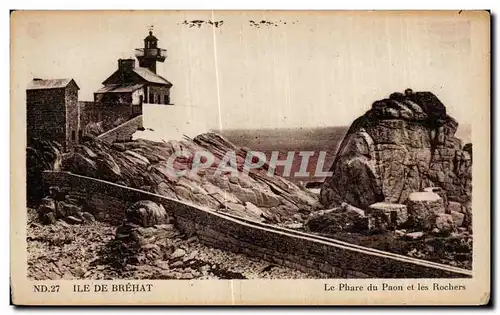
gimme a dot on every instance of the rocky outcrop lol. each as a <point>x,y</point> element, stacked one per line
<point>63,207</point>
<point>166,168</point>
<point>344,218</point>
<point>41,155</point>
<point>403,144</point>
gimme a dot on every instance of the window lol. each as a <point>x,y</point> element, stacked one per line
<point>79,134</point>
<point>73,135</point>
<point>141,99</point>
<point>151,98</point>
<point>158,99</point>
<point>166,99</point>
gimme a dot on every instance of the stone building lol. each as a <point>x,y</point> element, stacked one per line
<point>52,111</point>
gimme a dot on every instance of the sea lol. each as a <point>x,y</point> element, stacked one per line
<point>316,140</point>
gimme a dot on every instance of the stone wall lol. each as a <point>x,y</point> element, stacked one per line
<point>306,252</point>
<point>107,115</point>
<point>158,95</point>
<point>72,117</point>
<point>46,115</point>
<point>123,132</point>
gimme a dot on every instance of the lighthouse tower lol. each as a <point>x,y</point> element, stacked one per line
<point>151,53</point>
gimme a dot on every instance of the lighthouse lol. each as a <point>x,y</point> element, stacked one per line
<point>151,53</point>
<point>137,85</point>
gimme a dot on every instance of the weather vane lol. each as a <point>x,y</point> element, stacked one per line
<point>150,28</point>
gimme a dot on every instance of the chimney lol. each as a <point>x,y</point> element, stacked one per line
<point>126,65</point>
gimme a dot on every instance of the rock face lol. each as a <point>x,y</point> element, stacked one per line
<point>166,168</point>
<point>41,155</point>
<point>403,144</point>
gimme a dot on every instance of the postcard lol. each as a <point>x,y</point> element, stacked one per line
<point>250,157</point>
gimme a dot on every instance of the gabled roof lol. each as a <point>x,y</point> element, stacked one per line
<point>135,76</point>
<point>38,84</point>
<point>119,88</point>
<point>150,76</point>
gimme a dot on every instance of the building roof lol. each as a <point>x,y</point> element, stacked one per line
<point>150,76</point>
<point>37,84</point>
<point>119,88</point>
<point>151,37</point>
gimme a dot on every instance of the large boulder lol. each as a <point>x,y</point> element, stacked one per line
<point>458,218</point>
<point>423,208</point>
<point>442,194</point>
<point>147,213</point>
<point>401,145</point>
<point>393,214</point>
<point>147,165</point>
<point>65,209</point>
<point>445,223</point>
<point>137,245</point>
<point>47,205</point>
<point>344,218</point>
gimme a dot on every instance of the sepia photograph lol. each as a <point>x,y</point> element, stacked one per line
<point>215,146</point>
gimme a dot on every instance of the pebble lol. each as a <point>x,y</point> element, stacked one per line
<point>178,253</point>
<point>190,256</point>
<point>63,223</point>
<point>399,233</point>
<point>72,220</point>
<point>187,276</point>
<point>435,231</point>
<point>67,276</point>
<point>163,265</point>
<point>415,235</point>
<point>294,226</point>
<point>79,272</point>
<point>176,264</point>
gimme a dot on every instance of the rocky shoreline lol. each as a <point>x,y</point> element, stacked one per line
<point>402,182</point>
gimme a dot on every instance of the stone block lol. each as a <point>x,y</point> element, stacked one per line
<point>454,206</point>
<point>393,213</point>
<point>439,191</point>
<point>444,222</point>
<point>423,207</point>
<point>457,217</point>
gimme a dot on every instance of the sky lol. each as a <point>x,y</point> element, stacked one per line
<point>299,69</point>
